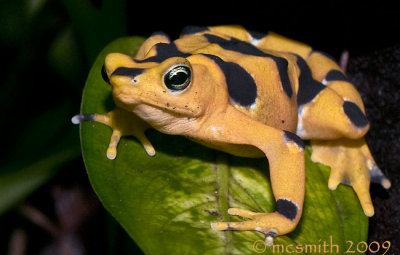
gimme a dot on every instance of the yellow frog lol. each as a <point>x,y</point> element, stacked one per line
<point>248,94</point>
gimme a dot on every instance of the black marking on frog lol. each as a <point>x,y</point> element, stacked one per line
<point>354,113</point>
<point>241,86</point>
<point>256,35</point>
<point>308,87</point>
<point>242,47</point>
<point>164,51</point>
<point>104,74</point>
<point>335,75</point>
<point>189,30</point>
<point>229,227</point>
<point>271,234</point>
<point>289,136</point>
<point>83,117</point>
<point>287,208</point>
<point>127,71</point>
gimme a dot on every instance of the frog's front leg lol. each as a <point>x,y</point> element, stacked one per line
<point>285,153</point>
<point>123,123</point>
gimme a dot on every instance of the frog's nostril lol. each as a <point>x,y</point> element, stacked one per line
<point>104,75</point>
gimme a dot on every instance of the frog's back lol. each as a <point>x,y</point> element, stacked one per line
<point>272,79</point>
<point>262,76</point>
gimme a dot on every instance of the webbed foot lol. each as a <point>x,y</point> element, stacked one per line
<point>351,163</point>
<point>123,123</point>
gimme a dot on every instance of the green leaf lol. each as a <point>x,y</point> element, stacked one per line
<point>166,202</point>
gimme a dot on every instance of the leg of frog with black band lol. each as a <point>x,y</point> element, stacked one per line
<point>335,122</point>
<point>285,153</point>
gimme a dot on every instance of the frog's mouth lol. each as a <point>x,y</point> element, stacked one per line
<point>133,101</point>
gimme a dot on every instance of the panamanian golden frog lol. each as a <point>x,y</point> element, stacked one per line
<point>251,95</point>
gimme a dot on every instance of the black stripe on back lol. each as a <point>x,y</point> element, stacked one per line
<point>164,51</point>
<point>355,114</point>
<point>242,88</point>
<point>234,44</point>
<point>189,30</point>
<point>335,75</point>
<point>308,87</point>
<point>256,35</point>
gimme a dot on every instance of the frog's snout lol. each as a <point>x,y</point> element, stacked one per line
<point>120,70</point>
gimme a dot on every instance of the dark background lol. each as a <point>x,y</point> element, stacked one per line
<point>48,46</point>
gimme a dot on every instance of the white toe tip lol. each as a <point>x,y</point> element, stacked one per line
<point>269,241</point>
<point>386,184</point>
<point>76,119</point>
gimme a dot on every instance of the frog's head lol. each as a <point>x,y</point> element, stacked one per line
<point>171,92</point>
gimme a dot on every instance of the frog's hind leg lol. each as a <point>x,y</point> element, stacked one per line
<point>329,106</point>
<point>332,116</point>
<point>123,123</point>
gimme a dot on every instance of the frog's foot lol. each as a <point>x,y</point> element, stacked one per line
<point>351,163</point>
<point>123,123</point>
<point>271,224</point>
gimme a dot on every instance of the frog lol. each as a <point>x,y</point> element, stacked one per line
<point>249,94</point>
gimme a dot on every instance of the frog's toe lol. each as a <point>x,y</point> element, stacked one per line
<point>377,176</point>
<point>243,213</point>
<point>271,224</point>
<point>243,225</point>
<point>361,188</point>
<point>335,178</point>
<point>148,147</point>
<point>79,118</point>
<point>111,153</point>
<point>358,178</point>
<point>112,147</point>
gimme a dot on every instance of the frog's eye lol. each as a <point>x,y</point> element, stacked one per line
<point>178,77</point>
